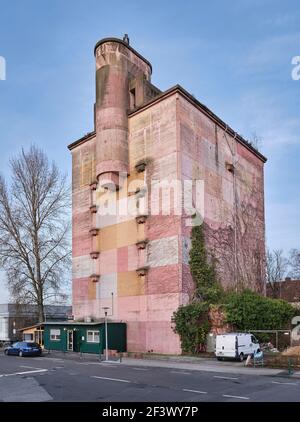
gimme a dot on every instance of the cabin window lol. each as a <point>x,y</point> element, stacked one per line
<point>55,334</point>
<point>93,337</point>
<point>28,337</point>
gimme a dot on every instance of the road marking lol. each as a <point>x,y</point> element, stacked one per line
<point>24,373</point>
<point>284,383</point>
<point>195,391</point>
<point>29,367</point>
<point>140,369</point>
<point>236,397</point>
<point>111,379</point>
<point>47,358</point>
<point>180,372</point>
<point>111,365</point>
<point>225,378</point>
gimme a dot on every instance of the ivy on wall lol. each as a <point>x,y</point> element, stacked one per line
<point>192,325</point>
<point>246,310</point>
<point>192,321</point>
<point>203,268</point>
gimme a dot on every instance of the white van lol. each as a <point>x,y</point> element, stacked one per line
<point>236,345</point>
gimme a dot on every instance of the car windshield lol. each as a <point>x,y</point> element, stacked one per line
<point>31,345</point>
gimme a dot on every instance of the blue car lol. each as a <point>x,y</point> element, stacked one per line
<point>23,348</point>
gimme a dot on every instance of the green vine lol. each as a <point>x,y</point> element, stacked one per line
<point>192,321</point>
<point>244,311</point>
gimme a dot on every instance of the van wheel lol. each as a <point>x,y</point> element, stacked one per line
<point>219,359</point>
<point>241,357</point>
<point>20,353</point>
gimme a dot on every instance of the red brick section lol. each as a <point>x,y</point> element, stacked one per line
<point>288,290</point>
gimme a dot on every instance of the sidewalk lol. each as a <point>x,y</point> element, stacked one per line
<point>208,365</point>
<point>179,362</point>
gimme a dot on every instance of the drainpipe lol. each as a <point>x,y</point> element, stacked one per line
<point>233,152</point>
<point>235,213</point>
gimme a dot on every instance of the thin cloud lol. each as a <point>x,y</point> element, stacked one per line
<point>270,121</point>
<point>280,20</point>
<point>271,53</point>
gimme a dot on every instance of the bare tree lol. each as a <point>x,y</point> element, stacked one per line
<point>255,140</point>
<point>237,244</point>
<point>34,229</point>
<point>276,268</point>
<point>294,263</point>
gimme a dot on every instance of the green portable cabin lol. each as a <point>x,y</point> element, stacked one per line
<point>85,337</point>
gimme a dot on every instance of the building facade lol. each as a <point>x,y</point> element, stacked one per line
<point>13,317</point>
<point>85,337</point>
<point>154,163</point>
<point>288,289</point>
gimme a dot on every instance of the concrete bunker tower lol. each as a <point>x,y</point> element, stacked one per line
<point>119,69</point>
<point>136,265</point>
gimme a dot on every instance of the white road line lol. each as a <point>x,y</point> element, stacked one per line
<point>24,373</point>
<point>29,367</point>
<point>236,397</point>
<point>195,391</point>
<point>225,378</point>
<point>46,358</point>
<point>180,372</point>
<point>140,369</point>
<point>111,365</point>
<point>111,379</point>
<point>284,383</point>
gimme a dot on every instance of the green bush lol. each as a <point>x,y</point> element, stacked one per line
<point>244,311</point>
<point>192,325</point>
<point>251,311</point>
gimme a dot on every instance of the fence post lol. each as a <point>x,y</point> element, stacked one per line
<point>290,367</point>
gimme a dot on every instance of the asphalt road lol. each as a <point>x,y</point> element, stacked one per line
<point>46,378</point>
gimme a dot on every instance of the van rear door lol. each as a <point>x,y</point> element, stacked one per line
<point>226,346</point>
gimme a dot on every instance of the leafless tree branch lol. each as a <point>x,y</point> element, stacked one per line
<point>34,228</point>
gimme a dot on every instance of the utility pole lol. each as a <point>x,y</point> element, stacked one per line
<point>106,334</point>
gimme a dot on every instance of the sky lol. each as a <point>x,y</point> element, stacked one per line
<point>235,56</point>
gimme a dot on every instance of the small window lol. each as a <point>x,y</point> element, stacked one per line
<point>54,334</point>
<point>132,99</point>
<point>28,337</point>
<point>92,337</point>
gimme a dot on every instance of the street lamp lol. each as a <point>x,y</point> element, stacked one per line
<point>105,308</point>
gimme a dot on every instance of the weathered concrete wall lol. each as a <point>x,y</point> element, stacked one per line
<point>145,302</point>
<point>138,267</point>
<point>153,138</point>
<point>206,152</point>
<point>116,65</point>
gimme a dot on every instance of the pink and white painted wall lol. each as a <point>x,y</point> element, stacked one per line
<point>127,258</point>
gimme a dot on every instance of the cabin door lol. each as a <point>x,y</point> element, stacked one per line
<point>70,340</point>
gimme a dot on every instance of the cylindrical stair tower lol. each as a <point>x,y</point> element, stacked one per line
<point>116,64</point>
